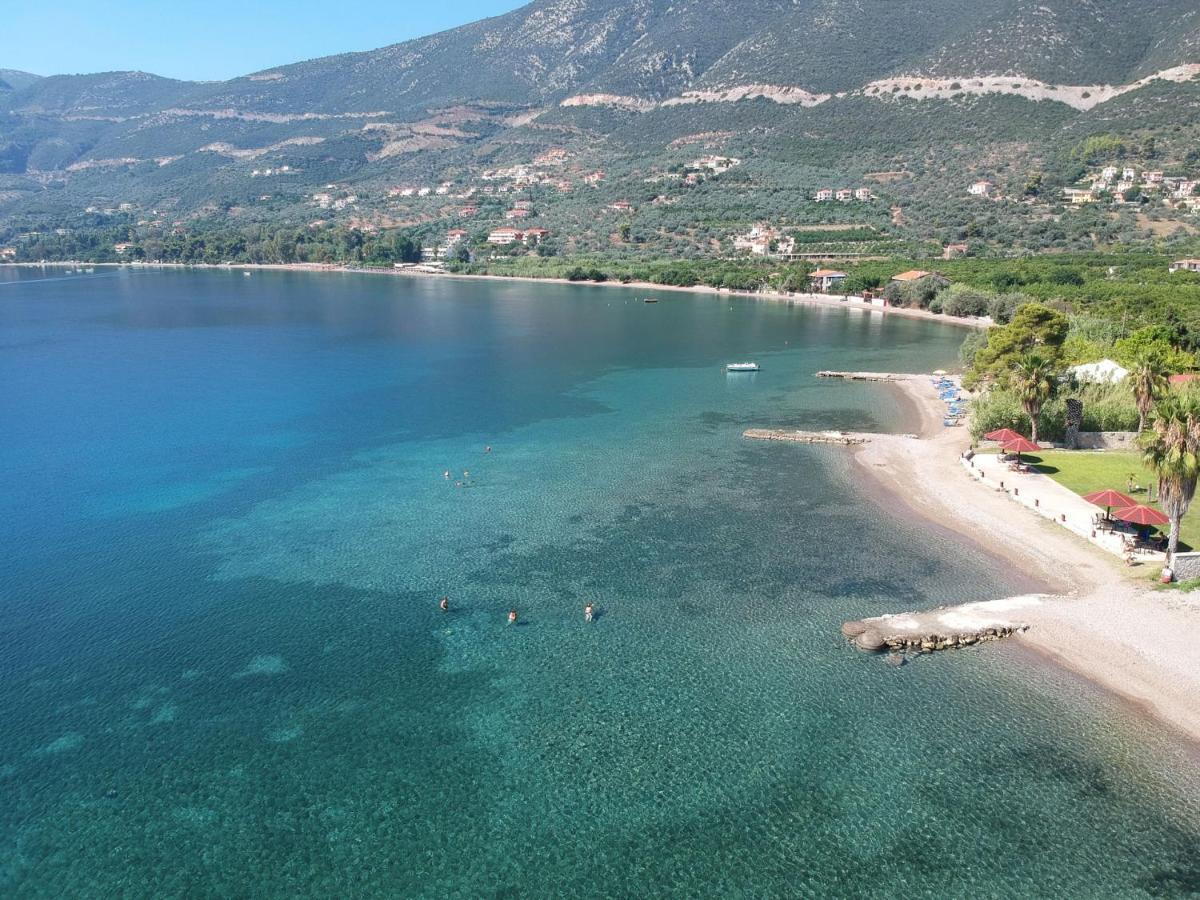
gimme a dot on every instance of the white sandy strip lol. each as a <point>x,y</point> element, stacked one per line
<point>1112,628</point>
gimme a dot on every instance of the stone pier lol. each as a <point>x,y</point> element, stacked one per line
<point>866,376</point>
<point>945,628</point>
<point>845,438</point>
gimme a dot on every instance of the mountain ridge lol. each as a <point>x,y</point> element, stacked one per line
<point>801,83</point>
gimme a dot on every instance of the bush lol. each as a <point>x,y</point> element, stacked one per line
<point>960,300</point>
<point>997,409</point>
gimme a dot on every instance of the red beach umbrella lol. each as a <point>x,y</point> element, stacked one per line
<point>1003,436</point>
<point>1020,445</point>
<point>1141,515</point>
<point>1108,499</point>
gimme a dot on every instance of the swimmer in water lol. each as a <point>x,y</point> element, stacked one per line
<point>446,474</point>
<point>444,604</point>
<point>589,613</point>
<point>466,474</point>
<point>512,617</point>
<point>487,449</point>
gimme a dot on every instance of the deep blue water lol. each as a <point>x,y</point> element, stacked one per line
<point>223,671</point>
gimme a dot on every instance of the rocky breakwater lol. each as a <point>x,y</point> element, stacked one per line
<point>867,376</point>
<point>947,627</point>
<point>845,438</point>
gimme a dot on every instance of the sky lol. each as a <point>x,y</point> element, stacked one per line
<point>213,39</point>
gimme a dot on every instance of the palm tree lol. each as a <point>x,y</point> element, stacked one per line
<point>1171,448</point>
<point>1033,380</point>
<point>1149,382</point>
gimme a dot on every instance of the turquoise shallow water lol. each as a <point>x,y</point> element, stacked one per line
<point>223,672</point>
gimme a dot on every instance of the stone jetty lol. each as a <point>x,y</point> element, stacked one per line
<point>947,627</point>
<point>845,438</point>
<point>865,376</point>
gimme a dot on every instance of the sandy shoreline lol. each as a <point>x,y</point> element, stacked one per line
<point>832,302</point>
<point>1110,626</point>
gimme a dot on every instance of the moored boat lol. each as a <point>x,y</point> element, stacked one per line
<point>742,367</point>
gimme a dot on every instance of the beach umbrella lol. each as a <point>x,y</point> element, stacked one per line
<point>1003,435</point>
<point>1108,499</point>
<point>1142,515</point>
<point>1020,445</point>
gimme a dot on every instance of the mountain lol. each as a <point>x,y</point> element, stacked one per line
<point>804,92</point>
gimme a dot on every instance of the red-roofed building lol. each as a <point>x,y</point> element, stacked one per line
<point>824,280</point>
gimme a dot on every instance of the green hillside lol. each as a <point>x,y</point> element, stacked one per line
<point>911,99</point>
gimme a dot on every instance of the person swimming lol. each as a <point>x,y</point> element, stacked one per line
<point>589,613</point>
<point>444,604</point>
<point>512,617</point>
<point>446,474</point>
<point>487,449</point>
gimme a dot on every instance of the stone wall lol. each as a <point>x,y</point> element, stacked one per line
<point>1186,566</point>
<point>1107,440</point>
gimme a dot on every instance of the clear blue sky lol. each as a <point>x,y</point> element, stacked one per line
<point>213,39</point>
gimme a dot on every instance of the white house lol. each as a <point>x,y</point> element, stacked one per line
<point>506,236</point>
<point>824,195</point>
<point>980,189</point>
<point>1184,265</point>
<point>845,195</point>
<point>1103,372</point>
<point>863,194</point>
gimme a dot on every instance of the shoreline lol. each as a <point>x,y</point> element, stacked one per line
<point>1116,633</point>
<point>1109,627</point>
<point>830,301</point>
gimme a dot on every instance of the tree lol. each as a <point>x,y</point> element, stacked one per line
<point>1148,379</point>
<point>1033,382</point>
<point>1171,448</point>
<point>1034,329</point>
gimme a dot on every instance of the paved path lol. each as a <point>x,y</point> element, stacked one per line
<point>1049,499</point>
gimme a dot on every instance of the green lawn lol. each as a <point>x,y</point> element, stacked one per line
<point>1085,471</point>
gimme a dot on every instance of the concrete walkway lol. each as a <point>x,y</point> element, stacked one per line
<point>1049,499</point>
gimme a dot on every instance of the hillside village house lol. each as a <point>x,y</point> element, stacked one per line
<point>523,204</point>
<point>953,251</point>
<point>468,210</point>
<point>505,236</point>
<point>1184,265</point>
<point>863,194</point>
<point>529,236</point>
<point>1152,178</point>
<point>122,249</point>
<point>825,280</point>
<point>1078,197</point>
<point>912,275</point>
<point>455,236</point>
<point>824,195</point>
<point>758,241</point>
<point>517,214</point>
<point>8,252</point>
<point>621,206</point>
<point>845,195</point>
<point>980,189</point>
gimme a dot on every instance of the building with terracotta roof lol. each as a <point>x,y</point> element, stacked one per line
<point>824,280</point>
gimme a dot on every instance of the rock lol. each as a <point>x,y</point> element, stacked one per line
<point>870,640</point>
<point>854,629</point>
<point>896,659</point>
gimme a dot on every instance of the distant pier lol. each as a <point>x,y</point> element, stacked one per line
<point>865,376</point>
<point>844,438</point>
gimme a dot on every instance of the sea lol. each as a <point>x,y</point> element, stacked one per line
<point>229,506</point>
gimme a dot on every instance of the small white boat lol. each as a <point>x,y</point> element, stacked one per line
<point>742,367</point>
<point>650,300</point>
